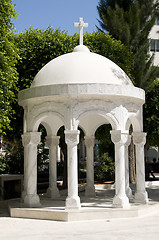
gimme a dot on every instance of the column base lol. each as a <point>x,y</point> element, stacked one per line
<point>32,200</point>
<point>90,191</point>
<point>141,197</point>
<point>121,202</point>
<point>53,193</point>
<point>129,193</point>
<point>73,202</point>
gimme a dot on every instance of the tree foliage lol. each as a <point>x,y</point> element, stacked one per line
<point>131,21</point>
<point>8,58</point>
<point>151,115</point>
<point>36,48</point>
<point>13,160</point>
<point>105,169</point>
<point>135,17</point>
<point>104,138</point>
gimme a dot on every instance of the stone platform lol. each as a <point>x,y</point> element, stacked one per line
<point>99,207</point>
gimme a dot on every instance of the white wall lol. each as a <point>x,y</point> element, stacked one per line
<point>154,34</point>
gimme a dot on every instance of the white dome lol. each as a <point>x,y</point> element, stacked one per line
<point>80,67</point>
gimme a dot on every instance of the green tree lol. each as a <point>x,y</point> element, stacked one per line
<point>8,58</point>
<point>38,47</point>
<point>151,115</point>
<point>128,20</point>
<point>131,21</point>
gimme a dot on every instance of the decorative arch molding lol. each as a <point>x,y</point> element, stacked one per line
<point>114,113</point>
<point>36,114</point>
<point>83,129</point>
<point>128,124</point>
<point>52,121</point>
<point>47,106</point>
<point>135,121</point>
<point>100,117</point>
<point>83,107</point>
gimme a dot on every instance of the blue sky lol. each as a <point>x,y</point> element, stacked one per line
<point>57,13</point>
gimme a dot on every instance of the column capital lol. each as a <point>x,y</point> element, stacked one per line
<point>72,137</point>
<point>31,138</point>
<point>139,138</point>
<point>52,140</point>
<point>119,137</point>
<point>89,141</point>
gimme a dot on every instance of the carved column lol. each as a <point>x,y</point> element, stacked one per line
<point>90,189</point>
<point>53,142</point>
<point>119,139</point>
<point>30,142</point>
<point>72,139</point>
<point>139,141</point>
<point>127,187</point>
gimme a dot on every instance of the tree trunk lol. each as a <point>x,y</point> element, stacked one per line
<point>132,163</point>
<point>64,150</point>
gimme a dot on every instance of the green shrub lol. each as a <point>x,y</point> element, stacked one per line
<point>2,165</point>
<point>105,169</point>
<point>12,161</point>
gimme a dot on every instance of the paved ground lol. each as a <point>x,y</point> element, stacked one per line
<point>145,228</point>
<point>141,228</point>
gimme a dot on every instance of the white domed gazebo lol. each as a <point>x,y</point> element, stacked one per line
<point>86,90</point>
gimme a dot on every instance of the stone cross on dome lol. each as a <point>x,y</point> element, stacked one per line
<point>81,24</point>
